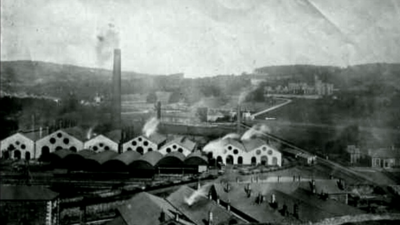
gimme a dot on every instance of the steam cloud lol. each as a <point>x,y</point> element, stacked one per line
<point>257,130</point>
<point>215,146</point>
<point>107,41</point>
<point>231,136</point>
<point>89,133</point>
<point>150,127</point>
<point>196,195</point>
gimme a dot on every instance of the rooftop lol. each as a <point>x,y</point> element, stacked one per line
<point>24,192</point>
<point>386,153</point>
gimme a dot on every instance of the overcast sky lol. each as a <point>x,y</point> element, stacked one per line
<point>201,38</point>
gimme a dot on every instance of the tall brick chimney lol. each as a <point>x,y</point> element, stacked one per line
<point>116,91</point>
<point>238,122</point>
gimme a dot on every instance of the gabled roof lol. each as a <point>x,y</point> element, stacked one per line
<point>386,153</point>
<point>26,193</point>
<point>101,136</point>
<point>30,135</point>
<point>252,144</point>
<point>297,153</point>
<point>156,138</point>
<point>114,135</point>
<point>234,142</point>
<point>198,212</point>
<point>76,132</point>
<point>145,209</point>
<point>184,142</point>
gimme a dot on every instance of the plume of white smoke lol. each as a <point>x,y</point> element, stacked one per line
<point>231,136</point>
<point>150,127</point>
<point>257,130</point>
<point>215,146</point>
<point>202,192</point>
<point>89,133</point>
<point>107,41</point>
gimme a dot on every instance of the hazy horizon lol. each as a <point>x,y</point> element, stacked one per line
<point>201,38</point>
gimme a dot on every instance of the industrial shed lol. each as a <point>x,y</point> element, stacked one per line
<point>78,161</point>
<point>196,162</point>
<point>171,163</point>
<point>101,143</point>
<point>180,144</point>
<point>94,162</point>
<point>61,139</point>
<point>17,146</point>
<point>122,161</point>
<point>143,144</point>
<point>146,164</point>
<point>57,158</point>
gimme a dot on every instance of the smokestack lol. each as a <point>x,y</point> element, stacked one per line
<point>238,119</point>
<point>210,218</point>
<point>158,110</point>
<point>116,92</point>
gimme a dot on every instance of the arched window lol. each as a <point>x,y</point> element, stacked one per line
<point>253,160</point>
<point>140,150</point>
<point>27,156</point>
<point>17,154</point>
<point>58,148</point>
<point>229,160</point>
<point>45,152</point>
<point>264,160</point>
<point>240,160</point>
<point>129,149</point>
<point>73,148</point>
<point>274,161</point>
<point>150,150</point>
<point>219,159</point>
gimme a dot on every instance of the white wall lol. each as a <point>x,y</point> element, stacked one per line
<point>58,139</point>
<point>139,142</point>
<point>101,143</point>
<point>263,152</point>
<point>20,143</point>
<point>174,147</point>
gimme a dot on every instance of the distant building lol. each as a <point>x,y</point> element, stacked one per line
<point>253,151</point>
<point>17,146</point>
<point>355,153</point>
<point>101,143</point>
<point>28,205</point>
<point>180,144</point>
<point>70,138</point>
<point>143,144</point>
<point>385,158</point>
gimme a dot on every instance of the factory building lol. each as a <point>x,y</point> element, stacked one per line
<point>179,144</point>
<point>143,144</point>
<point>248,152</point>
<point>122,161</point>
<point>101,143</point>
<point>23,204</point>
<point>61,139</point>
<point>18,146</point>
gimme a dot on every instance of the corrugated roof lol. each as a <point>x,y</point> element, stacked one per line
<point>145,209</point>
<point>63,153</point>
<point>127,157</point>
<point>25,193</point>
<point>196,155</point>
<point>102,157</point>
<point>386,153</point>
<point>198,212</point>
<point>86,153</point>
<point>172,159</point>
<point>151,157</point>
<point>185,142</point>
